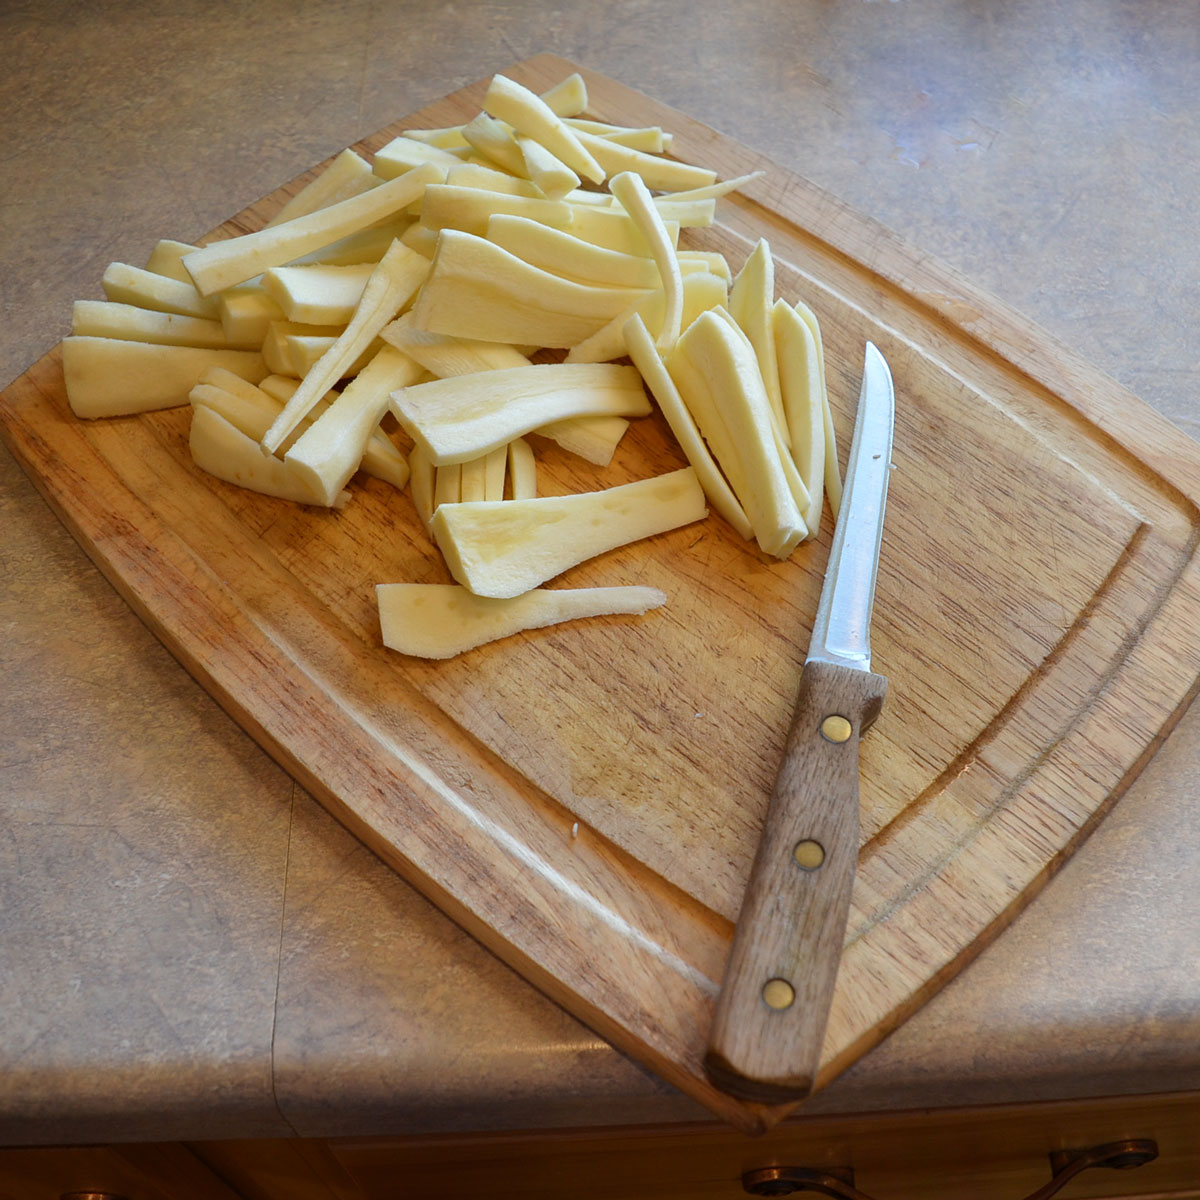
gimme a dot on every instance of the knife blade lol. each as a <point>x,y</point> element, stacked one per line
<point>769,1025</point>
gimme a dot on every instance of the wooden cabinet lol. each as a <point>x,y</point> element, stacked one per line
<point>999,1153</point>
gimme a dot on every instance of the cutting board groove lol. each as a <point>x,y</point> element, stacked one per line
<point>586,800</point>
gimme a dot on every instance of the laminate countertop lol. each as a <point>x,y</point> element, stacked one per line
<point>189,946</point>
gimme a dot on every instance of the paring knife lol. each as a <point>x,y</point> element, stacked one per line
<point>767,1034</point>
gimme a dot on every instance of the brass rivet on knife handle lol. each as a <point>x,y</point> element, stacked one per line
<point>793,919</point>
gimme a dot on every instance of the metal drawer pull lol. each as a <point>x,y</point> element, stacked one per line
<point>839,1182</point>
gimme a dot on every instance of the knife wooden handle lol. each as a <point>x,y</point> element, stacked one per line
<point>767,1033</point>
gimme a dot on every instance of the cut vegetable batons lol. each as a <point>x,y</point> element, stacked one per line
<point>334,445</point>
<point>528,114</point>
<point>645,356</point>
<point>594,439</point>
<point>318,294</point>
<point>800,388</point>
<point>661,174</point>
<point>402,154</point>
<point>714,367</point>
<point>465,416</point>
<point>495,142</point>
<point>564,254</point>
<point>127,322</point>
<point>443,355</point>
<point>391,285</point>
<point>568,97</point>
<point>440,620</point>
<point>349,174</point>
<point>167,259</point>
<point>109,377</point>
<point>505,548</point>
<point>234,260</point>
<point>124,284</point>
<point>522,470</point>
<point>702,290</point>
<point>476,290</point>
<point>634,197</point>
<point>468,208</point>
<point>751,299</point>
<point>553,177</point>
<point>224,451</point>
<point>833,476</point>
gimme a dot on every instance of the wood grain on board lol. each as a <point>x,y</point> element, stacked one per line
<point>586,799</point>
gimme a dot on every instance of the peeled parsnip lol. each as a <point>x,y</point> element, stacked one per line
<point>530,115</point>
<point>634,197</point>
<point>646,358</point>
<point>349,174</point>
<point>391,285</point>
<point>800,390</point>
<point>460,418</point>
<point>441,620</point>
<point>476,290</point>
<point>716,372</point>
<point>110,377</point>
<point>750,301</point>
<point>506,548</point>
<point>224,451</point>
<point>234,260</point>
<point>333,446</point>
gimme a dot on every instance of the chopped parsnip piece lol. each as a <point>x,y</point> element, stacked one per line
<point>568,97</point>
<point>612,228</point>
<point>403,154</point>
<point>634,197</point>
<point>106,318</point>
<point>124,284</point>
<point>505,548</point>
<point>465,416</point>
<point>495,142</point>
<point>391,285</point>
<point>336,443</point>
<point>554,178</point>
<point>447,485</point>
<point>569,256</point>
<point>522,470</point>
<point>224,451</point>
<point>422,484</point>
<point>319,294</point>
<point>246,314</point>
<point>714,368</point>
<point>646,358</point>
<point>701,291</point>
<point>476,290</point>
<point>750,302</point>
<point>474,484</point>
<point>237,259</point>
<point>443,355</point>
<point>530,115</point>
<point>660,174</point>
<point>833,475</point>
<point>495,471</point>
<point>478,176</point>
<point>167,259</point>
<point>649,138</point>
<point>107,377</point>
<point>349,174</point>
<point>468,208</point>
<point>800,388</point>
<point>592,438</point>
<point>440,620</point>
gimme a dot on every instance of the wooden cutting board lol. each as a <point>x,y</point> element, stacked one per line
<point>586,799</point>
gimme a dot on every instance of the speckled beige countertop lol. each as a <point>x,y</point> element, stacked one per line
<point>189,946</point>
